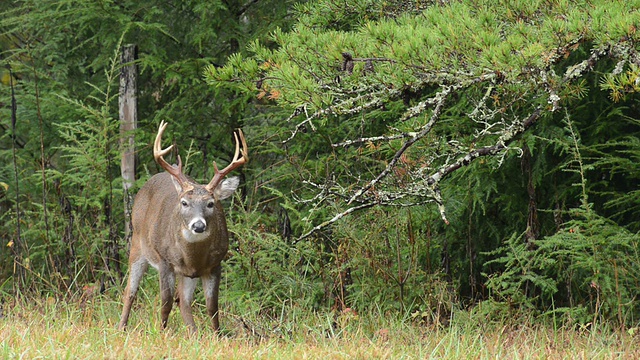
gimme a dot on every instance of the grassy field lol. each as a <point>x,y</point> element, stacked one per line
<point>52,329</point>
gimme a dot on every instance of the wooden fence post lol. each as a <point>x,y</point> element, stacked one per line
<point>128,102</point>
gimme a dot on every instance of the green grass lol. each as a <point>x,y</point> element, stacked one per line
<point>85,329</point>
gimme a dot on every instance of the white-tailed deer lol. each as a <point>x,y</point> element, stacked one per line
<point>180,229</point>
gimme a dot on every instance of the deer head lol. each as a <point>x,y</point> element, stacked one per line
<point>197,201</point>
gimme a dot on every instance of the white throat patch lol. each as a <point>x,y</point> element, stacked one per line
<point>194,237</point>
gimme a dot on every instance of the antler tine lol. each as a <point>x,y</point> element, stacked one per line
<point>159,153</point>
<point>245,149</point>
<point>235,163</point>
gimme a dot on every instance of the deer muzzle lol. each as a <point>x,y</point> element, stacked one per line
<point>198,225</point>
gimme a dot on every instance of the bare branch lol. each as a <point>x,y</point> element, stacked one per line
<point>432,189</point>
<point>373,138</point>
<point>336,218</point>
<point>344,108</point>
<point>582,67</point>
<point>484,151</point>
<point>440,100</point>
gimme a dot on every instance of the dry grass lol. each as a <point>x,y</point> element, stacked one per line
<point>54,330</point>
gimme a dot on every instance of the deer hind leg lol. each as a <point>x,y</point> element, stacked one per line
<point>167,285</point>
<point>137,268</point>
<point>211,285</point>
<point>186,288</point>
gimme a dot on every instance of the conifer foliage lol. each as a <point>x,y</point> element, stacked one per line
<point>458,107</point>
<point>426,95</point>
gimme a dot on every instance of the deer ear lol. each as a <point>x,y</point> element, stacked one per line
<point>226,188</point>
<point>176,184</point>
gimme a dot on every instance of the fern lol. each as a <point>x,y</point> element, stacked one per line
<point>590,264</point>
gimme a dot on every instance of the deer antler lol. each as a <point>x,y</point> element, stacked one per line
<point>235,163</point>
<point>158,153</point>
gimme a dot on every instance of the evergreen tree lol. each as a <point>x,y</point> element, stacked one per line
<point>458,107</point>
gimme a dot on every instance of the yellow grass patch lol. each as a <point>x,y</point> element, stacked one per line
<point>54,330</point>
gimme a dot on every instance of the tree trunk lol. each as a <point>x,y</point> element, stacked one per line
<point>128,123</point>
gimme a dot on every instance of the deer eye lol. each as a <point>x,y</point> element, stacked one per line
<point>210,205</point>
<point>184,203</point>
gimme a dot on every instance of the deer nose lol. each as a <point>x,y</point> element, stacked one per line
<point>198,226</point>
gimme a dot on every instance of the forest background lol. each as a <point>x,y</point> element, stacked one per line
<point>415,158</point>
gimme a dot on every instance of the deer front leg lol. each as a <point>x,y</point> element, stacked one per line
<point>137,267</point>
<point>167,285</point>
<point>211,285</point>
<point>186,288</point>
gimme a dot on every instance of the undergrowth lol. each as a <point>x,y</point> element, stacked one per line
<point>85,327</point>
